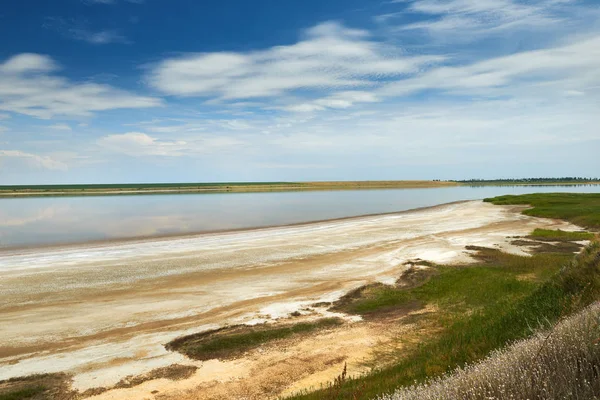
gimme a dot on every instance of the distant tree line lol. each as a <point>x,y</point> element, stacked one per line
<point>566,179</point>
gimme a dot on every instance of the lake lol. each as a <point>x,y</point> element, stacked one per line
<point>26,222</point>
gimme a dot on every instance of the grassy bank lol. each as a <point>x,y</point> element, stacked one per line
<point>561,363</point>
<point>498,276</point>
<point>482,308</point>
<point>578,208</point>
<point>559,235</point>
<point>37,387</point>
<point>232,342</point>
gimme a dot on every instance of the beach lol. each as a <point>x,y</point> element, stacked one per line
<point>103,311</point>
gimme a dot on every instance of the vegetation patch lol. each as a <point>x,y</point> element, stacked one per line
<point>232,342</point>
<point>561,363</point>
<point>37,387</point>
<point>483,308</point>
<point>24,393</point>
<point>560,247</point>
<point>455,289</point>
<point>559,235</point>
<point>582,209</point>
<point>551,241</point>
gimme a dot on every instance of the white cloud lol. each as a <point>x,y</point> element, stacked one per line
<point>29,86</point>
<point>292,166</point>
<point>60,127</point>
<point>443,129</point>
<point>569,67</point>
<point>329,56</point>
<point>27,63</point>
<point>340,100</point>
<point>435,132</point>
<point>142,144</point>
<point>32,160</point>
<point>306,107</point>
<point>100,37</point>
<point>478,17</point>
<point>4,116</point>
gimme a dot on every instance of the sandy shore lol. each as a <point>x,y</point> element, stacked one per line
<point>104,311</point>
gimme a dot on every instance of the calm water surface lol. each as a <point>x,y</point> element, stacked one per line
<point>53,220</point>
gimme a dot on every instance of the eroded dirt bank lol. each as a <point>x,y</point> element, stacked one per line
<point>104,312</point>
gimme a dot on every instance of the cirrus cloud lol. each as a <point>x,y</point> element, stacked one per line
<point>141,144</point>
<point>32,160</point>
<point>29,85</point>
<point>330,56</point>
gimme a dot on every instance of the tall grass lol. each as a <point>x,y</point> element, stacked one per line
<point>562,363</point>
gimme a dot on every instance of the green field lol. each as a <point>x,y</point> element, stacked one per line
<point>580,209</point>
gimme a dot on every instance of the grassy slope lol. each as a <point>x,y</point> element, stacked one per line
<point>453,290</point>
<point>562,362</point>
<point>474,301</point>
<point>484,307</point>
<point>580,209</point>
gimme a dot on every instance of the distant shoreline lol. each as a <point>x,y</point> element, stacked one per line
<point>183,188</point>
<point>8,191</point>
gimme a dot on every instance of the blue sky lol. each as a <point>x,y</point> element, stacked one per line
<point>107,91</point>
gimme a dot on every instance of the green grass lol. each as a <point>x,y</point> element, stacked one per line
<point>461,289</point>
<point>579,208</point>
<point>452,289</point>
<point>22,394</point>
<point>484,308</point>
<point>231,342</point>
<point>558,235</point>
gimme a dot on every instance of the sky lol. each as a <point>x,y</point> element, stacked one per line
<point>123,91</point>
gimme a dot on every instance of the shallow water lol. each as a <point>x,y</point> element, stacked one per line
<point>54,220</point>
